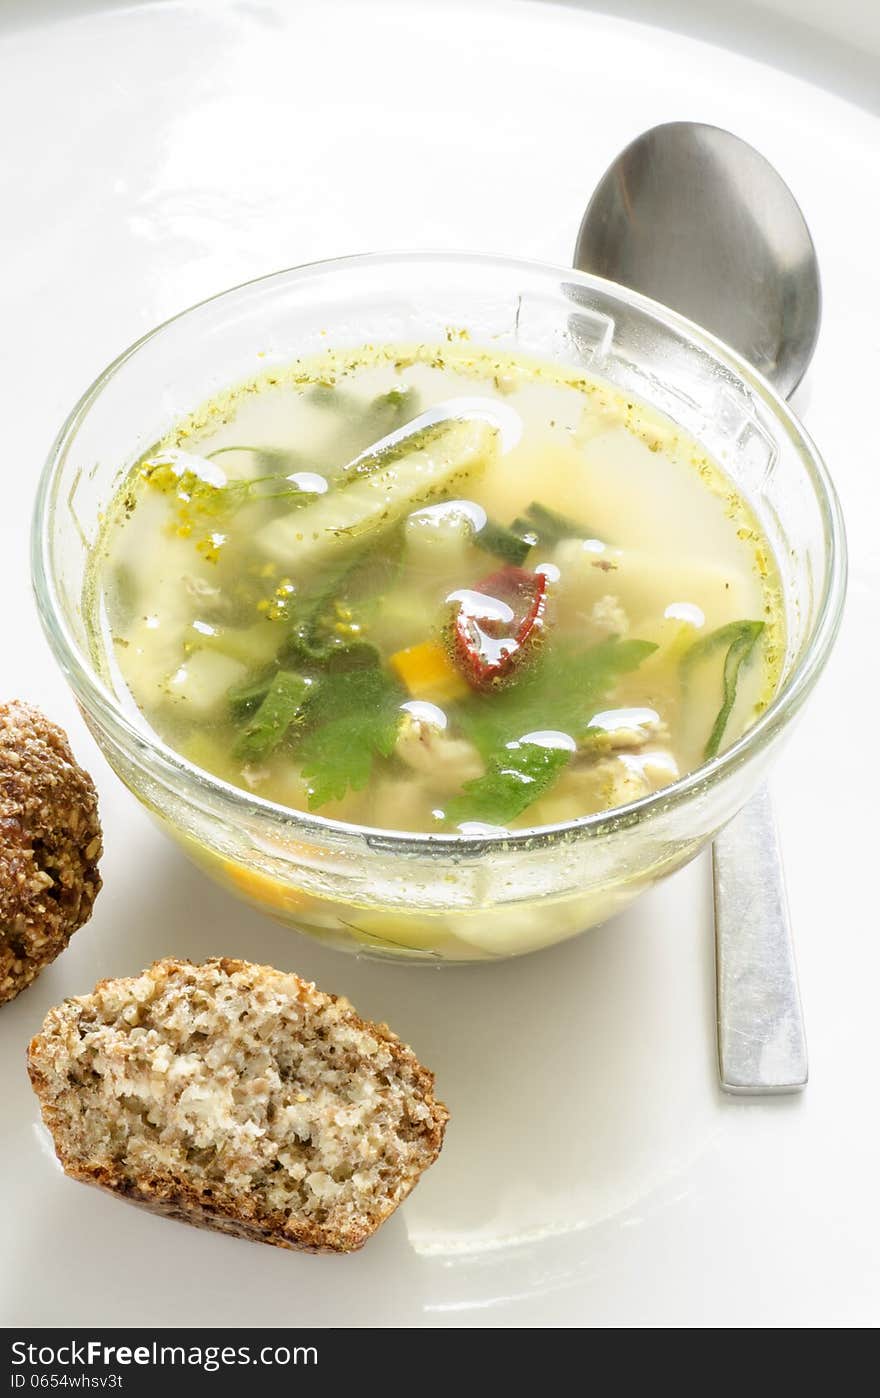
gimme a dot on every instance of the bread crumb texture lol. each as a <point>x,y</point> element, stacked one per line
<point>240,1098</point>
<point>50,845</point>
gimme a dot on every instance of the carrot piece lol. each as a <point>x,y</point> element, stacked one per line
<point>262,888</point>
<point>428,673</point>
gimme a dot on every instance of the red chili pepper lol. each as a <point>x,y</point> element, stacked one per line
<point>492,641</point>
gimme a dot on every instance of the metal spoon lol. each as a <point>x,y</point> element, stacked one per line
<point>694,217</point>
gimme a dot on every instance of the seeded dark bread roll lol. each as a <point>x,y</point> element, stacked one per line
<point>240,1098</point>
<point>50,844</point>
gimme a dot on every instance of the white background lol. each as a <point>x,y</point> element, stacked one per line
<point>593,1174</point>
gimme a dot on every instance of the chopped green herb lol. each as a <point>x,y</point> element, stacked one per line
<point>333,654</point>
<point>503,543</point>
<point>281,707</point>
<point>740,638</point>
<point>360,714</point>
<point>341,587</point>
<point>559,692</point>
<point>551,526</point>
<point>247,696</point>
<point>525,529</point>
<point>314,606</point>
<point>515,777</point>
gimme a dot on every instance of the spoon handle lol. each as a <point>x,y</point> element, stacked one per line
<point>762,1047</point>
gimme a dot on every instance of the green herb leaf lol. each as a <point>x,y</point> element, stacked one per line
<point>313,645</point>
<point>551,526</point>
<point>740,638</point>
<point>560,692</point>
<point>525,530</point>
<point>333,654</point>
<point>391,410</point>
<point>514,778</point>
<point>244,698</point>
<point>503,543</point>
<point>352,582</point>
<point>360,714</point>
<point>282,706</point>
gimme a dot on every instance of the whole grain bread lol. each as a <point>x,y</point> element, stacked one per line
<point>50,845</point>
<point>239,1098</point>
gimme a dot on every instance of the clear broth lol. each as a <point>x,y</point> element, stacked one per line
<point>660,612</point>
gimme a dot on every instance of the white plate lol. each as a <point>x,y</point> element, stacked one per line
<point>593,1173</point>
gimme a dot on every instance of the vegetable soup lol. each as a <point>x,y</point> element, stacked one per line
<point>542,601</point>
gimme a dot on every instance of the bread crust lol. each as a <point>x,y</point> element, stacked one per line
<point>173,1197</point>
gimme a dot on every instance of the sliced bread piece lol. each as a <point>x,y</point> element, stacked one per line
<point>240,1098</point>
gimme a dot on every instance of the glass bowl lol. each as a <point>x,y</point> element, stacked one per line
<point>440,897</point>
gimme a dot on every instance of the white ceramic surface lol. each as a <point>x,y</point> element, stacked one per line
<point>593,1174</point>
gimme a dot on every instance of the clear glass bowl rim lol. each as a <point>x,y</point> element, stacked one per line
<point>221,800</point>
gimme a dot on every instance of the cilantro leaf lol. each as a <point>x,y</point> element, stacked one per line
<point>515,777</point>
<point>359,717</point>
<point>740,637</point>
<point>247,696</point>
<point>335,758</point>
<point>559,691</point>
<point>281,706</point>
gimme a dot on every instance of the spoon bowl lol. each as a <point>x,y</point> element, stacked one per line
<point>695,218</point>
